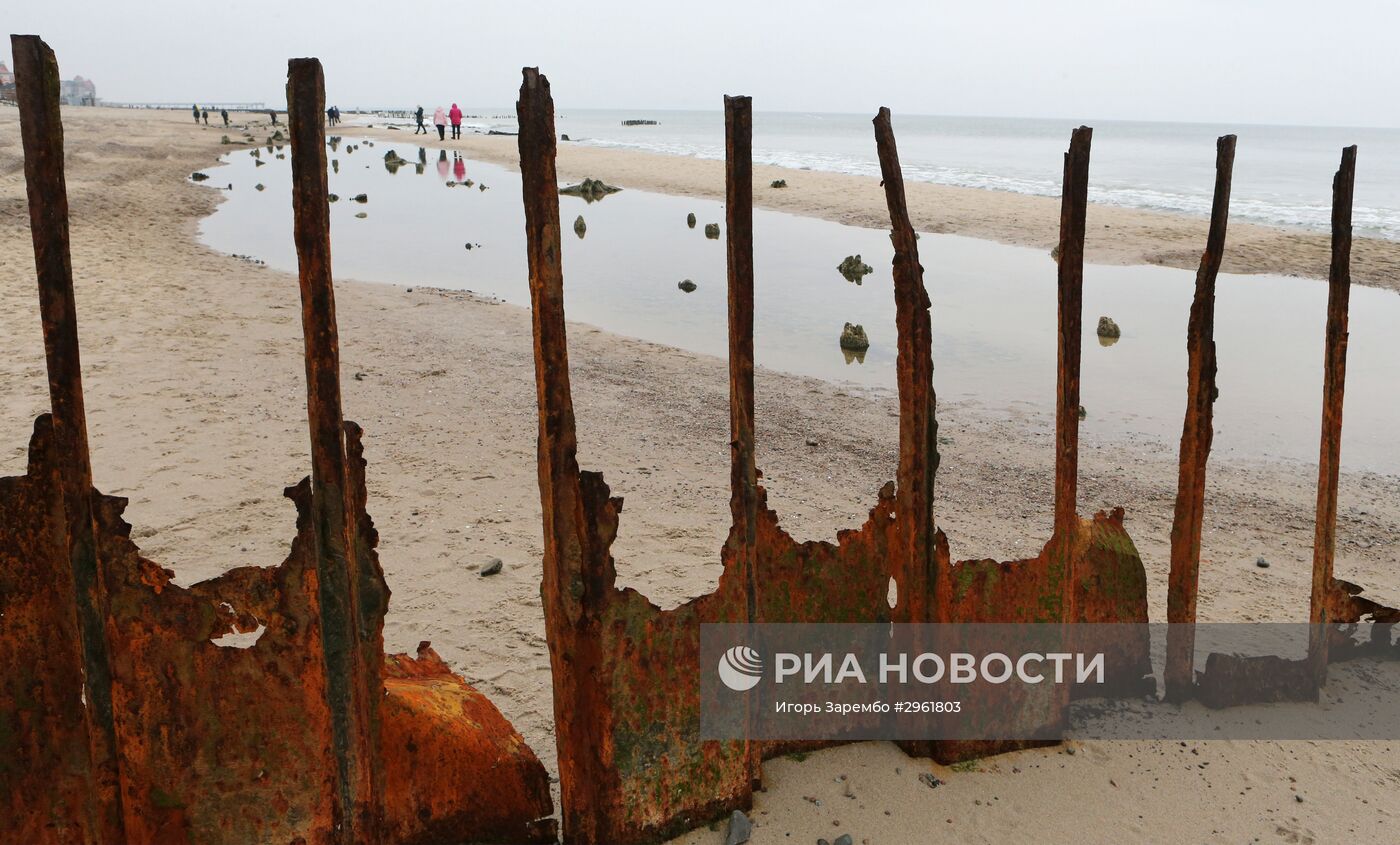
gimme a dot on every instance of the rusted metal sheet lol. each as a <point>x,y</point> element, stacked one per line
<point>626,698</point>
<point>1196,435</point>
<point>454,769</point>
<point>41,131</point>
<point>625,714</point>
<point>48,790</point>
<point>1090,570</point>
<point>626,695</point>
<point>245,708</point>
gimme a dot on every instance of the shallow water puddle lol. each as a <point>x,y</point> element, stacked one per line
<point>994,305</point>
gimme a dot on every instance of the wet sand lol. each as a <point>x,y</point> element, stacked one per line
<point>194,379</point>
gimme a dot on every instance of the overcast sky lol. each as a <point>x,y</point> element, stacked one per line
<point>1226,61</point>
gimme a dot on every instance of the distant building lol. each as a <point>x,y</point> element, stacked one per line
<point>78,92</point>
<point>72,92</point>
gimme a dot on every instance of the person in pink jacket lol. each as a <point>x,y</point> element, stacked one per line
<point>440,121</point>
<point>456,116</point>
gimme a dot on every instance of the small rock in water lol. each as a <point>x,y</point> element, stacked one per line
<point>1108,328</point>
<point>853,337</point>
<point>591,190</point>
<point>333,197</point>
<point>690,220</point>
<point>712,231</point>
<point>852,269</point>
<point>1261,563</point>
<point>361,198</point>
<point>479,187</point>
<point>198,177</point>
<point>563,137</point>
<point>686,285</point>
<point>778,183</point>
<point>259,163</point>
<point>467,245</point>
<point>740,828</point>
<point>259,186</point>
<point>492,567</point>
<point>1083,412</point>
<point>580,227</point>
<point>362,214</point>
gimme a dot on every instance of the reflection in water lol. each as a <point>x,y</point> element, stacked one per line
<point>1107,341</point>
<point>993,305</point>
<point>459,168</point>
<point>422,155</point>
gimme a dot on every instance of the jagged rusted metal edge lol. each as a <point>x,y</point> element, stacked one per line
<point>631,766</point>
<point>124,719</point>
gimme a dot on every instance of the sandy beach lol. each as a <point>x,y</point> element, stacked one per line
<point>195,397</point>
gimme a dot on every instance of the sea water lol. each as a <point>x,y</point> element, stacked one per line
<point>994,306</point>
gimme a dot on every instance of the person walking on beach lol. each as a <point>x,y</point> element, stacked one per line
<point>421,130</point>
<point>206,117</point>
<point>224,114</point>
<point>195,109</point>
<point>456,117</point>
<point>440,121</point>
<point>273,115</point>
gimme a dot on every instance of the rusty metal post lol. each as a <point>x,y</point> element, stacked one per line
<point>351,672</point>
<point>574,582</point>
<point>914,564</point>
<point>1073,207</point>
<point>41,130</point>
<point>1196,437</point>
<point>1334,375</point>
<point>743,469</point>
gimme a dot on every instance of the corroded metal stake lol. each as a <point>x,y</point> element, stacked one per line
<point>915,563</point>
<point>572,578</point>
<point>1073,208</point>
<point>41,129</point>
<point>1334,375</point>
<point>1196,434</point>
<point>743,469</point>
<point>352,652</point>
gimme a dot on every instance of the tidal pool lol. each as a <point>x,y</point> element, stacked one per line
<point>993,305</point>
